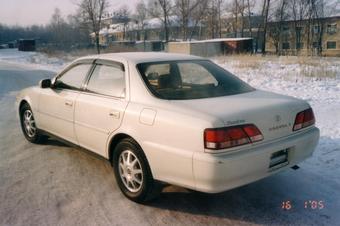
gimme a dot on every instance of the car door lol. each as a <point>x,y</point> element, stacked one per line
<point>100,108</point>
<point>56,105</point>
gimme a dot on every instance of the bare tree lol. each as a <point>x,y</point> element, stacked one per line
<point>214,18</point>
<point>185,10</point>
<point>57,26</point>
<point>123,16</point>
<point>234,9</point>
<point>315,14</point>
<point>77,32</point>
<point>65,33</point>
<point>141,15</point>
<point>219,6</point>
<point>198,15</point>
<point>318,7</point>
<point>280,15</point>
<point>250,6</point>
<point>265,23</point>
<point>92,12</point>
<point>298,13</point>
<point>242,9</point>
<point>162,10</point>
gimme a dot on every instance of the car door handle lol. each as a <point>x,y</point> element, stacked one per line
<point>69,103</point>
<point>114,114</point>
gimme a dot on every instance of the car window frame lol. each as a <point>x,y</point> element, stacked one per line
<point>70,67</point>
<point>108,63</point>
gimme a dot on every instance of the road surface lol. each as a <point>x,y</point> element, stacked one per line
<point>54,184</point>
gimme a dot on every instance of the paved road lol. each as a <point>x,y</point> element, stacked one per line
<point>55,184</point>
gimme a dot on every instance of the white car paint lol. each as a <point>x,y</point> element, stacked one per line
<point>170,132</point>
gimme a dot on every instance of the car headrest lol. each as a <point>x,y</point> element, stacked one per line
<point>168,81</point>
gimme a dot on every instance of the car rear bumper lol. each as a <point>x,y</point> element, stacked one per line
<point>220,172</point>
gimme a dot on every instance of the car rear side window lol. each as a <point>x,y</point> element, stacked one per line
<point>74,77</point>
<point>180,80</point>
<point>202,75</point>
<point>107,80</point>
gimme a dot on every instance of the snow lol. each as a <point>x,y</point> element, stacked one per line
<point>33,59</point>
<point>306,81</point>
<point>217,40</point>
<point>152,23</point>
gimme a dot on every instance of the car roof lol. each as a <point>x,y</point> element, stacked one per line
<point>142,57</point>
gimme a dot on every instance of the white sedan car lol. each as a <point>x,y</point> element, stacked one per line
<point>169,118</point>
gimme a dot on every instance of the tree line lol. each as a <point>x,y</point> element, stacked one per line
<point>238,18</point>
<point>59,33</point>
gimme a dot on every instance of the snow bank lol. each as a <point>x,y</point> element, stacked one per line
<point>32,59</point>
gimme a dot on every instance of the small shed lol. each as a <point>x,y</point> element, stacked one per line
<point>150,45</point>
<point>26,44</point>
<point>212,47</point>
<point>238,45</point>
<point>124,44</point>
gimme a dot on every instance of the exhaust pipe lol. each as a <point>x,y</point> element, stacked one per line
<point>296,167</point>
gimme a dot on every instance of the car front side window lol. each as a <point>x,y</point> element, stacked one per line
<point>107,80</point>
<point>73,78</point>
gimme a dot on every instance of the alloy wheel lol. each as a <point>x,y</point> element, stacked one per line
<point>29,123</point>
<point>130,171</point>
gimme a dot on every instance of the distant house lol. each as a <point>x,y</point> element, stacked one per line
<point>305,37</point>
<point>131,30</point>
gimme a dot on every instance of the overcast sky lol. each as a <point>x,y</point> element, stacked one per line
<point>29,12</point>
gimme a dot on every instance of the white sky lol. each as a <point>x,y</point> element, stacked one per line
<point>38,12</point>
<point>29,12</point>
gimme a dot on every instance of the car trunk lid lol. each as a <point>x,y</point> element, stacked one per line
<point>273,114</point>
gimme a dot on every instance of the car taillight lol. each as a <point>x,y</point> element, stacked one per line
<point>304,119</point>
<point>227,137</point>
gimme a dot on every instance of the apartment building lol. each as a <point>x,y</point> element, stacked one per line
<point>305,37</point>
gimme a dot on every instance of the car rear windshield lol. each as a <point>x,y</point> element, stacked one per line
<point>194,79</point>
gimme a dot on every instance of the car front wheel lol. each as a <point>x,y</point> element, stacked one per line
<point>132,172</point>
<point>28,125</point>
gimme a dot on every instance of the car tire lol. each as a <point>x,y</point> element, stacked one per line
<point>132,172</point>
<point>28,126</point>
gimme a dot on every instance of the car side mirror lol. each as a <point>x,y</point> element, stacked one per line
<point>45,83</point>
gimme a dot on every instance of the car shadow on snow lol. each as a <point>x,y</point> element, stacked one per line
<point>55,142</point>
<point>259,202</point>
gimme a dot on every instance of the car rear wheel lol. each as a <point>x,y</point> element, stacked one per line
<point>132,172</point>
<point>28,125</point>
